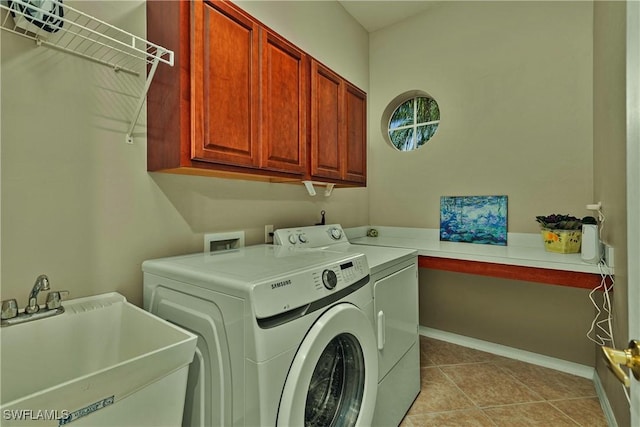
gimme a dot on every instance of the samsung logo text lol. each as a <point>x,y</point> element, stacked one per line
<point>280,284</point>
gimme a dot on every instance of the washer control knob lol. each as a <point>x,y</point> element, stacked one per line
<point>336,233</point>
<point>329,279</point>
<point>292,239</point>
<point>302,238</point>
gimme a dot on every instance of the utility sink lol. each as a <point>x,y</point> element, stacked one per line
<point>102,362</point>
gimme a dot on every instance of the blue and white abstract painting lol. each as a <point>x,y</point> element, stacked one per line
<point>474,219</point>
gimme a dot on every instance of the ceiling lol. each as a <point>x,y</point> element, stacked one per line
<point>376,14</point>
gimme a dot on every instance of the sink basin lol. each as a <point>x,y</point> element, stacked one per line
<point>95,364</point>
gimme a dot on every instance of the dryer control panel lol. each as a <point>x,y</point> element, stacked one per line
<point>301,289</point>
<point>310,237</point>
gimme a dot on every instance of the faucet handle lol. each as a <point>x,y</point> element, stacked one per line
<point>9,309</point>
<point>54,299</point>
<point>32,306</point>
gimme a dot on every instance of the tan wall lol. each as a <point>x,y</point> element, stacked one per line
<point>77,202</point>
<point>544,319</point>
<point>609,140</point>
<point>514,85</point>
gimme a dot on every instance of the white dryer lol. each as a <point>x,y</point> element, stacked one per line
<point>284,338</point>
<point>394,274</point>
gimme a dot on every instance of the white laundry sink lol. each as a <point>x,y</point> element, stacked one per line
<point>102,362</point>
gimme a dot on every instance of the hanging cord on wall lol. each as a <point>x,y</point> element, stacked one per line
<point>601,331</point>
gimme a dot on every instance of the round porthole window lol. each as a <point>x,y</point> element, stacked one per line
<point>410,121</point>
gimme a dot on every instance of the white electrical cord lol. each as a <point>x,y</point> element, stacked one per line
<point>601,331</point>
<point>604,325</point>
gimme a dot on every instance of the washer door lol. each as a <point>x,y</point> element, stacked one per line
<point>333,380</point>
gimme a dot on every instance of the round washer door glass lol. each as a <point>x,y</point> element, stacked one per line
<point>333,378</point>
<point>337,384</point>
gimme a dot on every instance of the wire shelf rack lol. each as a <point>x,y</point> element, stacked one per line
<point>59,26</point>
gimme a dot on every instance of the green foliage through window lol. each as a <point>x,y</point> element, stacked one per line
<point>413,123</point>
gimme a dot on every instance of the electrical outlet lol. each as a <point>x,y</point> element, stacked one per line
<point>268,233</point>
<point>608,255</point>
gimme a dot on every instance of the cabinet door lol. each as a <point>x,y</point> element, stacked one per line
<point>283,74</point>
<point>355,168</point>
<point>225,85</point>
<point>327,131</point>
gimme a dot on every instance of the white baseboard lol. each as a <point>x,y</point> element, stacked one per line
<point>512,353</point>
<point>604,401</point>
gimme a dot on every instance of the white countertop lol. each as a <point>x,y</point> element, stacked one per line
<point>523,249</point>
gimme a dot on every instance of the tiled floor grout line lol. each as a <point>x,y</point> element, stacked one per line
<point>542,398</point>
<point>508,373</point>
<point>499,372</point>
<point>499,369</point>
<point>565,414</point>
<point>484,410</point>
<point>595,396</point>
<point>460,364</point>
<point>506,405</point>
<point>475,404</point>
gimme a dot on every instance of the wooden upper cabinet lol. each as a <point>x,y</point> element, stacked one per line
<point>225,85</point>
<point>169,96</point>
<point>249,87</point>
<point>327,157</point>
<point>338,127</point>
<point>284,75</point>
<point>240,99</point>
<point>355,168</point>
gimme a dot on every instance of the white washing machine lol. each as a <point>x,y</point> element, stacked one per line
<point>394,273</point>
<point>284,338</point>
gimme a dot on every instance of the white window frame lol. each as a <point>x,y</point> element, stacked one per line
<point>414,125</point>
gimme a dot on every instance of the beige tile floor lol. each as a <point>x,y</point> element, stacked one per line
<point>467,387</point>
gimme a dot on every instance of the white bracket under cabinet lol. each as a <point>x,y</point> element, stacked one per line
<point>312,191</point>
<point>59,26</point>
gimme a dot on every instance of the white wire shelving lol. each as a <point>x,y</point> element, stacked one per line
<point>56,25</point>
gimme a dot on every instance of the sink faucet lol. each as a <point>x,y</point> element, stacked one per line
<point>42,284</point>
<point>10,315</point>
